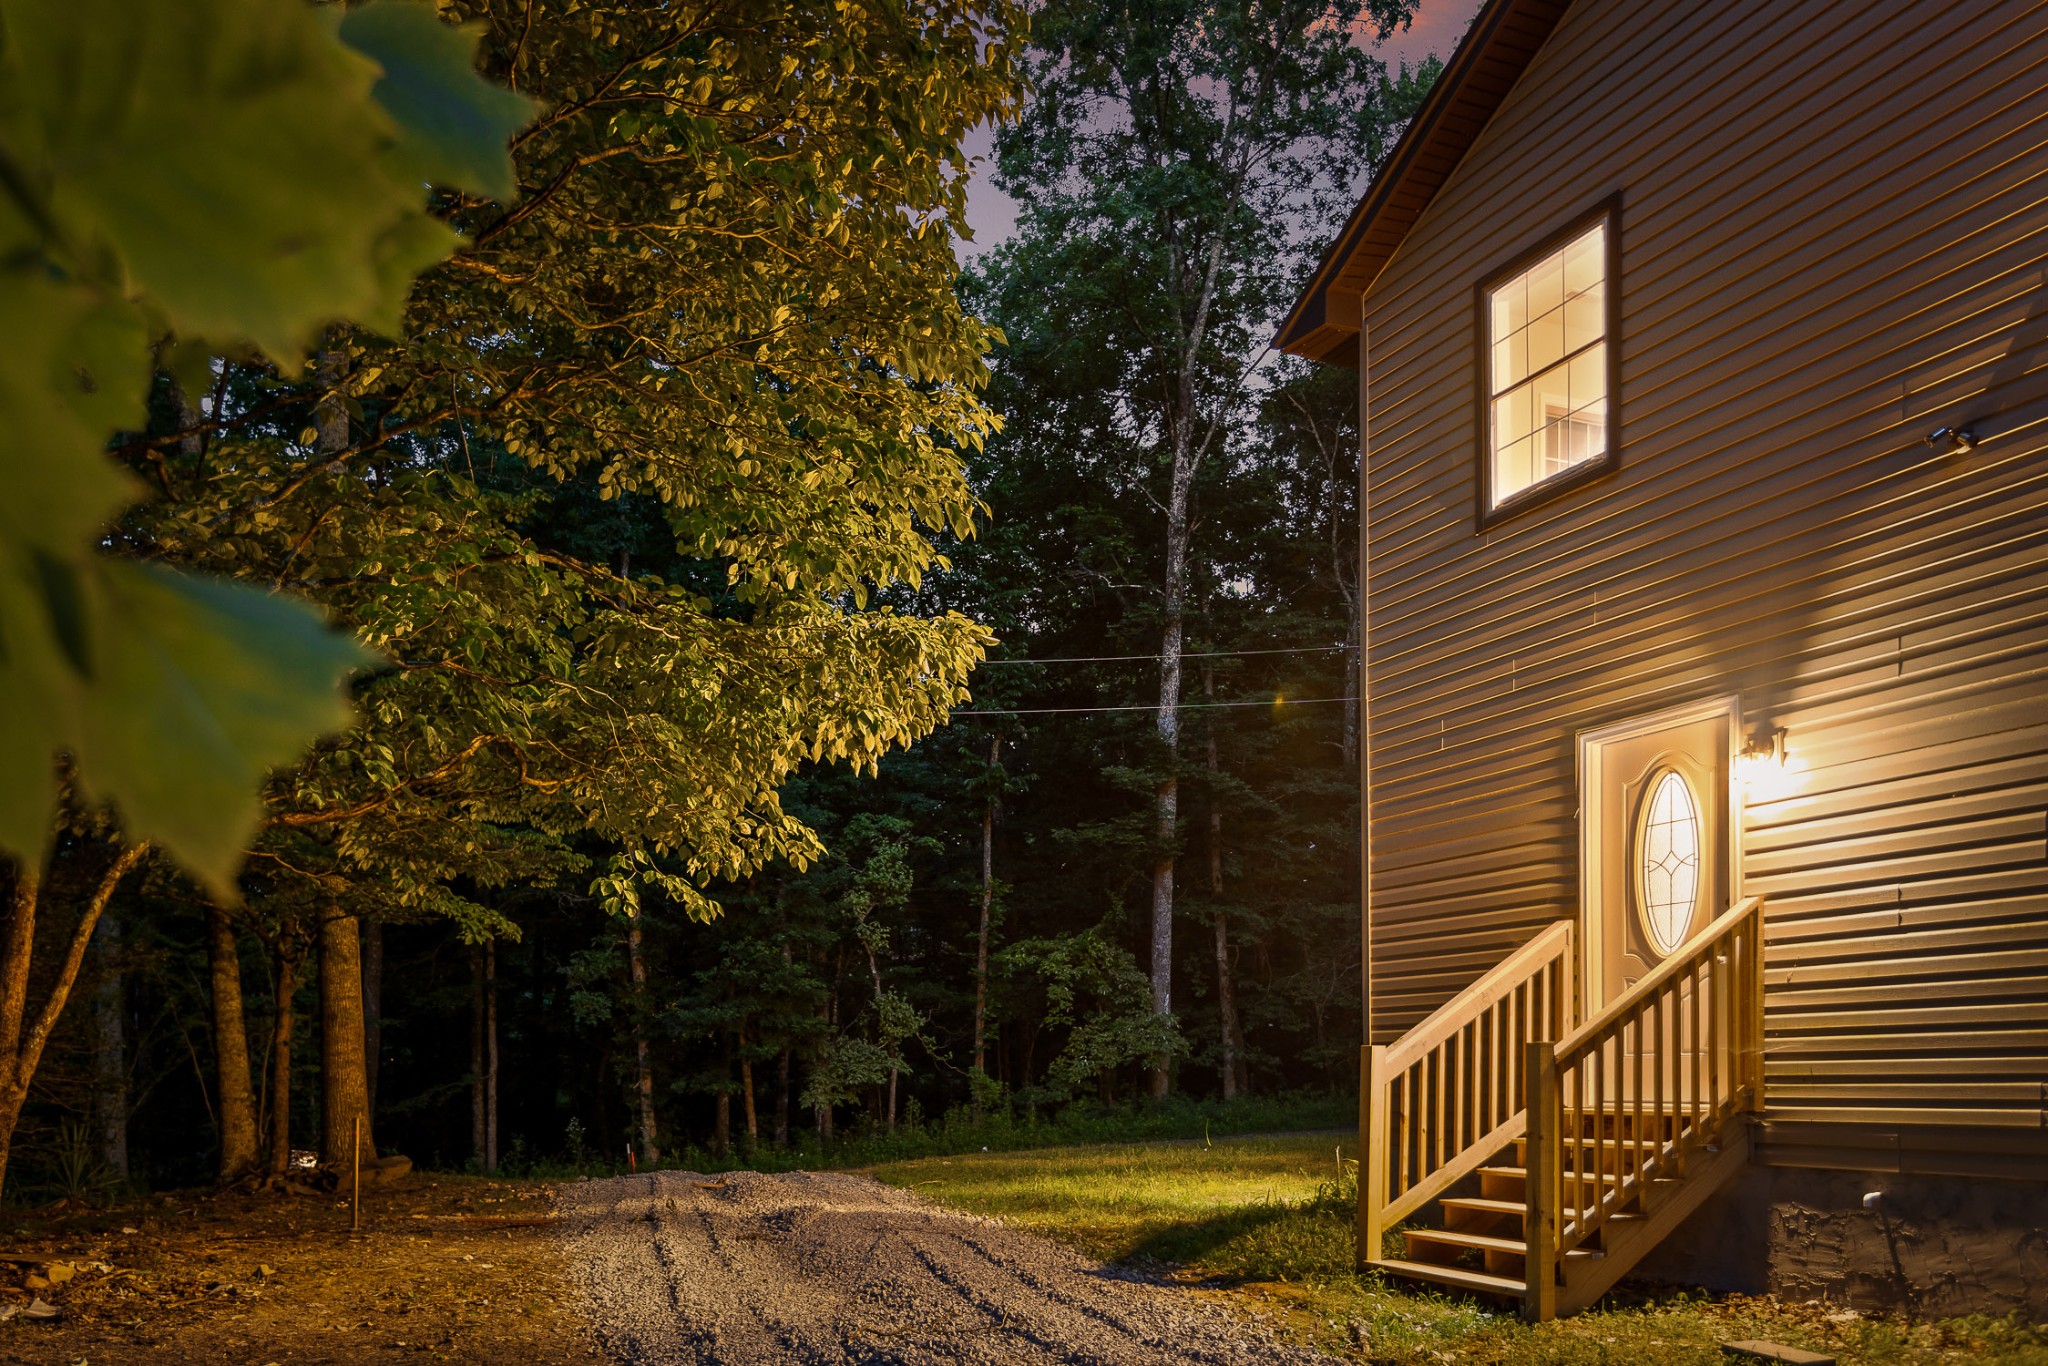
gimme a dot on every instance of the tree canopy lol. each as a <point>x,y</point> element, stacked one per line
<point>618,596</point>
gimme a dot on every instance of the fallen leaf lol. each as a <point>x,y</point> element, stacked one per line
<point>35,1282</point>
<point>60,1272</point>
<point>265,1269</point>
<point>39,1312</point>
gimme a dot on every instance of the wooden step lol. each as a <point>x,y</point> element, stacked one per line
<point>1522,1174</point>
<point>1505,1183</point>
<point>1472,1242</point>
<point>1480,1205</point>
<point>1457,1278</point>
<point>1482,1242</point>
<point>1608,1144</point>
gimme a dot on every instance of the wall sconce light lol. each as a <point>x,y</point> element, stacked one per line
<point>1952,440</point>
<point>1764,768</point>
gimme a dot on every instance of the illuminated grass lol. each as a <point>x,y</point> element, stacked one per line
<point>1266,1220</point>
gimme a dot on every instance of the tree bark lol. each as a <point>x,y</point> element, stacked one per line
<point>344,1094</point>
<point>230,1050</point>
<point>478,1130</point>
<point>491,1056</point>
<point>831,1032</point>
<point>988,898</point>
<point>289,953</point>
<point>110,1048</point>
<point>650,1148</point>
<point>747,1090</point>
<point>782,1097</point>
<point>1229,1030</point>
<point>721,1119</point>
<point>373,1007</point>
<point>875,972</point>
<point>22,1041</point>
<point>1173,602</point>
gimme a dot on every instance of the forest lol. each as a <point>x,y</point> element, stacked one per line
<point>556,611</point>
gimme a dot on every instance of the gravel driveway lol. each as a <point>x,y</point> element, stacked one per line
<point>824,1267</point>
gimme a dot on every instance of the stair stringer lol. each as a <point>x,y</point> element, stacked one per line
<point>1627,1240</point>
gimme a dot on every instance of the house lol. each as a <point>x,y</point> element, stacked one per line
<point>1703,353</point>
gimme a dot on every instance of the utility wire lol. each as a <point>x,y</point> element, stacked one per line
<point>1185,706</point>
<point>1185,654</point>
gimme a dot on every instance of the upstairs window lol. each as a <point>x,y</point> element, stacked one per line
<point>1547,324</point>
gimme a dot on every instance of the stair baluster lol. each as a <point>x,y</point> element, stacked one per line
<point>1622,1129</point>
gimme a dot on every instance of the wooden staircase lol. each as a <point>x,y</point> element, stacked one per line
<point>1556,1166</point>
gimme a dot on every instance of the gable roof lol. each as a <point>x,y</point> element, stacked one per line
<point>1496,50</point>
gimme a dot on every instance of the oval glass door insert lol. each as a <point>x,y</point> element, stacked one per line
<point>1668,861</point>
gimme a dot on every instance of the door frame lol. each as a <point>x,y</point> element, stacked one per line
<point>1591,748</point>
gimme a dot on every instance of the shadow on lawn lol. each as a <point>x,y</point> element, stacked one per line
<point>1262,1242</point>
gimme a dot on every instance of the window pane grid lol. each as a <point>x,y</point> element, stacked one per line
<point>1547,366</point>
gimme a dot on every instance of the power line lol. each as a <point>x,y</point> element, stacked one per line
<point>1185,706</point>
<point>1186,654</point>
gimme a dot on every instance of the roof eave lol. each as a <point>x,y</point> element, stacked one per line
<point>1496,50</point>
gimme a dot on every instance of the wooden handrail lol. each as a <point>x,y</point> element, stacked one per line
<point>1653,982</point>
<point>1554,942</point>
<point>1448,1094</point>
<point>1630,1095</point>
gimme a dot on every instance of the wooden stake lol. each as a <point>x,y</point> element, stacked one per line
<point>355,1217</point>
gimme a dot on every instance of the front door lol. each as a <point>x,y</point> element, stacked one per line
<point>1656,840</point>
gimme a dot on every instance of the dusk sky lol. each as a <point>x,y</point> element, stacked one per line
<point>1437,27</point>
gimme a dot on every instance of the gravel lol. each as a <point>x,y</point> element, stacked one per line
<point>826,1267</point>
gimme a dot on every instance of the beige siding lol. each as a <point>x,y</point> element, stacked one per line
<point>1835,239</point>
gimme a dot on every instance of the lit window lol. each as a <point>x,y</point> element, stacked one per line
<point>1547,367</point>
<point>1668,861</point>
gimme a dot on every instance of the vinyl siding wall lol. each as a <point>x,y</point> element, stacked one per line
<point>1834,235</point>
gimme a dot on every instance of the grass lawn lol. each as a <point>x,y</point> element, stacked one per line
<point>1268,1221</point>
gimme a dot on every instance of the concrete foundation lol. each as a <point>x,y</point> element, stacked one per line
<point>1933,1246</point>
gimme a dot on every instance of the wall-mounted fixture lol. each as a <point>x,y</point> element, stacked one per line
<point>1765,768</point>
<point>1952,440</point>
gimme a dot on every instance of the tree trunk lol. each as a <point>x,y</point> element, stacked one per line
<point>373,1007</point>
<point>479,1132</point>
<point>22,1041</point>
<point>875,972</point>
<point>290,953</point>
<point>110,1048</point>
<point>1229,1030</point>
<point>230,1050</point>
<point>1166,796</point>
<point>831,1032</point>
<point>644,1080</point>
<point>721,1120</point>
<point>344,1094</point>
<point>747,1090</point>
<point>782,1097</point>
<point>988,897</point>
<point>491,1056</point>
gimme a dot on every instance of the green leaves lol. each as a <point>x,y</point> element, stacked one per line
<point>455,124</point>
<point>74,365</point>
<point>228,172</point>
<point>200,687</point>
<point>175,695</point>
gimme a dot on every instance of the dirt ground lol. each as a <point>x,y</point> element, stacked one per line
<point>445,1269</point>
<point>835,1268</point>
